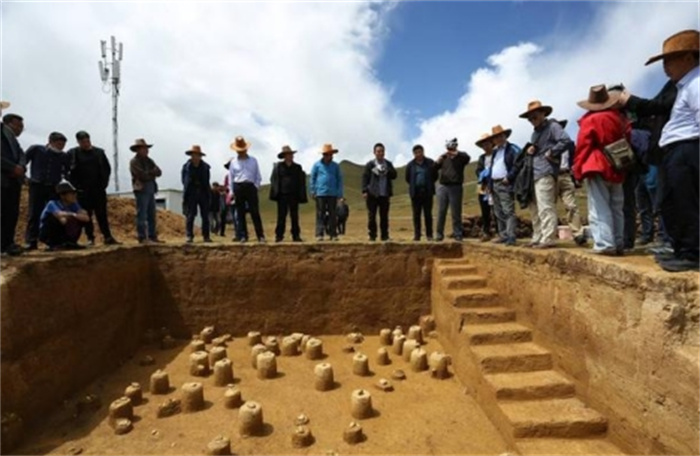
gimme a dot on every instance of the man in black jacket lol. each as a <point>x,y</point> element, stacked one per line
<point>377,191</point>
<point>421,175</point>
<point>451,166</point>
<point>288,189</point>
<point>90,171</point>
<point>14,166</point>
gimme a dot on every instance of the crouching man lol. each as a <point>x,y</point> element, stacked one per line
<point>62,220</point>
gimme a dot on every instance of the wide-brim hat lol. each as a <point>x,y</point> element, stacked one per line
<point>4,104</point>
<point>140,143</point>
<point>195,150</point>
<point>536,105</point>
<point>240,144</point>
<point>599,99</point>
<point>499,130</point>
<point>65,187</point>
<point>328,149</point>
<point>685,41</point>
<point>485,137</point>
<point>286,150</point>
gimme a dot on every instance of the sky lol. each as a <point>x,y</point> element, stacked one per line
<point>308,73</point>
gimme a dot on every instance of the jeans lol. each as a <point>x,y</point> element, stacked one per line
<point>504,208</point>
<point>146,211</point>
<point>326,207</point>
<point>567,193</point>
<point>192,202</point>
<point>606,214</point>
<point>9,212</point>
<point>543,210</point>
<point>449,195</point>
<point>39,196</point>
<point>94,201</point>
<point>680,198</point>
<point>247,197</point>
<point>382,203</point>
<point>630,208</point>
<point>341,225</point>
<point>287,204</point>
<point>422,203</point>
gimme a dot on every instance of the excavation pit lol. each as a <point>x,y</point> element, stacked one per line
<point>108,311</point>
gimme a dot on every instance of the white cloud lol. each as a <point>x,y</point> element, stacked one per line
<point>278,73</point>
<point>612,49</point>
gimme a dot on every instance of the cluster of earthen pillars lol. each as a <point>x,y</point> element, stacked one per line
<point>264,353</point>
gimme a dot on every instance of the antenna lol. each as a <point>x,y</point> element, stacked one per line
<point>117,53</point>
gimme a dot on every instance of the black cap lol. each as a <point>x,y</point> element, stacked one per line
<point>82,134</point>
<point>56,136</point>
<point>65,187</point>
<point>416,147</point>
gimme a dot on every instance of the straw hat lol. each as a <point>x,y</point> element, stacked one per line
<point>286,150</point>
<point>240,144</point>
<point>195,150</point>
<point>328,149</point>
<point>485,137</point>
<point>499,130</point>
<point>536,105</point>
<point>600,99</point>
<point>4,104</point>
<point>685,41</point>
<point>140,143</point>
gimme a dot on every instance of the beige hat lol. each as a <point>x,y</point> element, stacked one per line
<point>499,130</point>
<point>685,41</point>
<point>286,150</point>
<point>240,144</point>
<point>328,149</point>
<point>195,150</point>
<point>485,137</point>
<point>600,99</point>
<point>140,143</point>
<point>4,104</point>
<point>536,105</point>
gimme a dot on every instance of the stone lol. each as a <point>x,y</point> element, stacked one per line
<point>134,392</point>
<point>397,344</point>
<point>415,333</point>
<point>160,382</point>
<point>192,397</point>
<point>385,337</point>
<point>360,365</point>
<point>361,404</point>
<point>223,372</point>
<point>408,348</point>
<point>219,341</point>
<point>168,408</point>
<point>254,338</point>
<point>87,403</point>
<point>121,408</point>
<point>207,334</point>
<point>427,323</point>
<point>267,365</point>
<point>301,419</point>
<point>383,357</point>
<point>353,434</point>
<point>123,426</point>
<point>419,360</point>
<point>147,361</point>
<point>398,374</point>
<point>250,419</point>
<point>301,437</point>
<point>290,346</point>
<point>232,397</point>
<point>349,348</point>
<point>355,337</point>
<point>219,446</point>
<point>273,345</point>
<point>324,377</point>
<point>168,343</point>
<point>199,364</point>
<point>215,354</point>
<point>438,362</point>
<point>197,345</point>
<point>314,349</point>
<point>254,352</point>
<point>384,385</point>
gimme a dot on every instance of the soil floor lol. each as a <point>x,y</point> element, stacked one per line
<point>422,415</point>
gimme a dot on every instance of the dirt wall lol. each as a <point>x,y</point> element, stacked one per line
<point>317,289</point>
<point>626,334</point>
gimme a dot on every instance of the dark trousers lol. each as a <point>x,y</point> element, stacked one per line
<point>287,204</point>
<point>341,225</point>
<point>422,204</point>
<point>629,209</point>
<point>247,197</point>
<point>9,213</point>
<point>94,201</point>
<point>485,214</point>
<point>53,233</point>
<point>39,196</point>
<point>645,207</point>
<point>680,199</point>
<point>382,204</point>
<point>450,195</point>
<point>326,210</point>
<point>192,202</point>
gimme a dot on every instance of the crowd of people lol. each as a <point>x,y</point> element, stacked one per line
<point>633,155</point>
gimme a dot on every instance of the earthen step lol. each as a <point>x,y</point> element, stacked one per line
<point>497,333</point>
<point>481,315</point>
<point>443,261</point>
<point>521,386</point>
<point>464,282</point>
<point>451,270</point>
<point>520,357</point>
<point>568,447</point>
<point>553,418</point>
<point>478,297</point>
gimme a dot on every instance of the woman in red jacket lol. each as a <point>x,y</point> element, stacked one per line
<point>603,124</point>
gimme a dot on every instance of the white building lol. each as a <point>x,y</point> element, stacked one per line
<point>166,198</point>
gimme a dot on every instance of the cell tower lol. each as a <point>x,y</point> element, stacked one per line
<point>117,51</point>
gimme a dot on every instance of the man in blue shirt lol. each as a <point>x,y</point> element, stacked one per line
<point>326,186</point>
<point>62,220</point>
<point>195,177</point>
<point>49,166</point>
<point>377,191</point>
<point>244,180</point>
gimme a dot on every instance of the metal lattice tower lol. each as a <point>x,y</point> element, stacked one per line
<point>117,52</point>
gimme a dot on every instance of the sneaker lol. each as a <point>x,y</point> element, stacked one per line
<point>606,252</point>
<point>156,241</point>
<point>112,241</point>
<point>334,239</point>
<point>662,249</point>
<point>143,241</point>
<point>580,240</point>
<point>297,239</point>
<point>499,240</point>
<point>29,246</point>
<point>243,240</point>
<point>372,239</point>
<point>189,240</point>
<point>429,239</point>
<point>319,238</point>
<point>679,265</point>
<point>645,241</point>
<point>386,239</point>
<point>14,250</point>
<point>510,242</point>
<point>208,240</point>
<point>439,239</point>
<point>485,238</point>
<point>544,245</point>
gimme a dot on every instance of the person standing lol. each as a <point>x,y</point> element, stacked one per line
<point>326,187</point>
<point>62,219</point>
<point>144,172</point>
<point>483,178</point>
<point>215,208</point>
<point>90,171</point>
<point>14,166</point>
<point>602,125</point>
<point>547,144</point>
<point>49,166</point>
<point>451,166</point>
<point>566,190</point>
<point>421,175</point>
<point>197,192</point>
<point>245,179</point>
<point>502,178</point>
<point>288,189</point>
<point>342,212</point>
<point>377,192</point>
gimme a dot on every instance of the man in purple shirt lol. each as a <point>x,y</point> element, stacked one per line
<point>244,180</point>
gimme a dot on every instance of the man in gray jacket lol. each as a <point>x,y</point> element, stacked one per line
<point>376,190</point>
<point>549,141</point>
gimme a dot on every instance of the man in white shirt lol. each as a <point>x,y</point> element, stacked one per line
<point>244,182</point>
<point>681,197</point>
